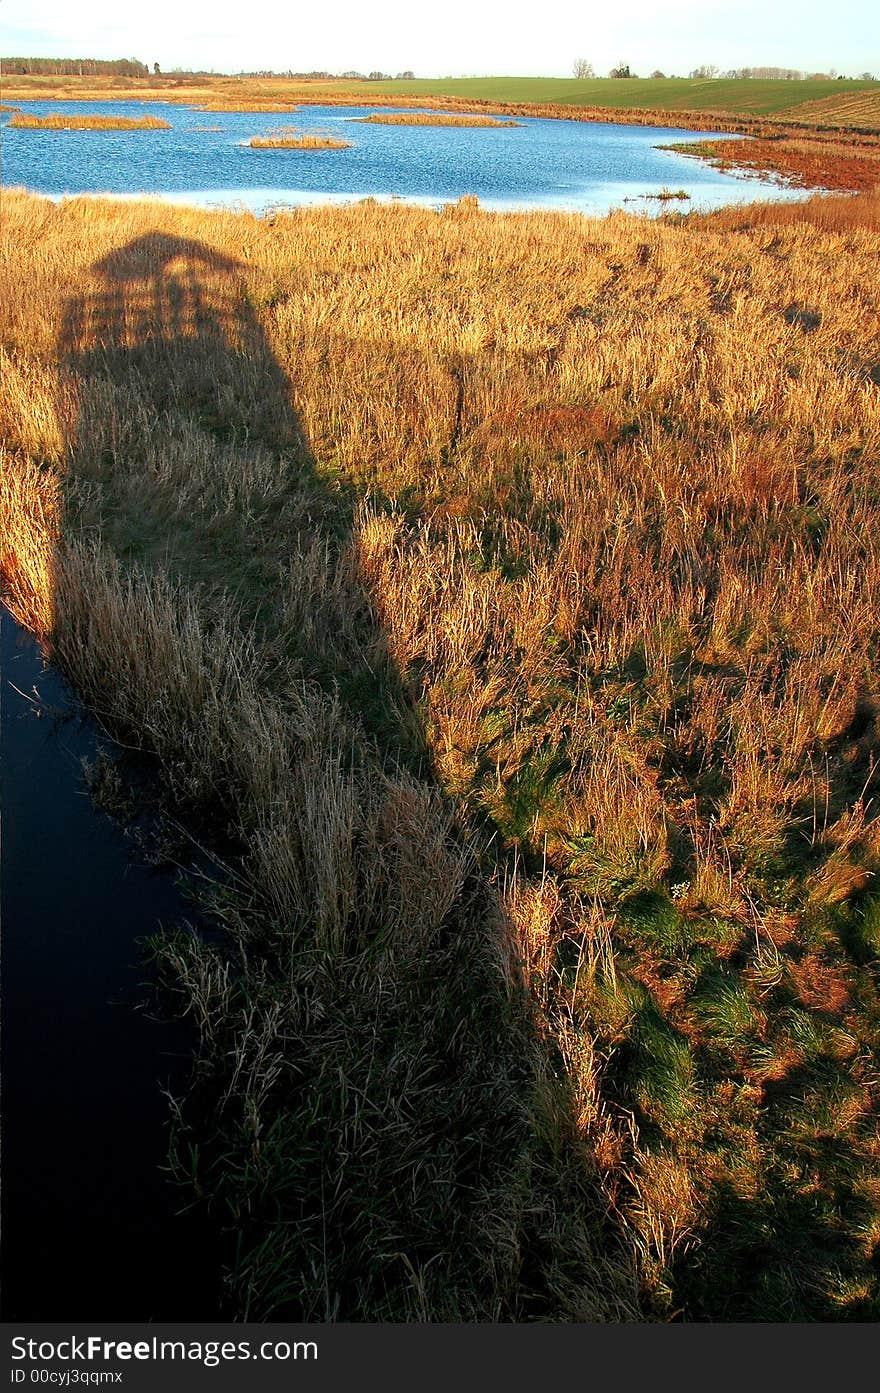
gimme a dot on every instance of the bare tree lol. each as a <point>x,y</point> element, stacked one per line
<point>583,68</point>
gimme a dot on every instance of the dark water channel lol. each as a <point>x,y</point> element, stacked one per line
<point>89,1223</point>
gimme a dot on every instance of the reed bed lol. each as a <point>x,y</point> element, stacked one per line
<point>58,121</point>
<point>406,118</point>
<point>298,140</point>
<point>800,162</point>
<point>233,104</point>
<point>664,196</point>
<point>501,593</point>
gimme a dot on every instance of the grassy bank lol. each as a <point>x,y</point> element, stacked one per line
<point>802,162</point>
<point>823,101</point>
<point>501,593</point>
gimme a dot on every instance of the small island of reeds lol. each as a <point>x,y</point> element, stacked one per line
<point>298,140</point>
<point>59,121</point>
<point>431,118</point>
<point>236,105</point>
<point>669,195</point>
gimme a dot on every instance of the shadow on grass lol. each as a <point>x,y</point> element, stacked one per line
<point>787,1257</point>
<point>363,1112</point>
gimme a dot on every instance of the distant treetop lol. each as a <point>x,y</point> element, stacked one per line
<point>74,67</point>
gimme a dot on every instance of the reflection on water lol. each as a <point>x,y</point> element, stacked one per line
<point>89,1227</point>
<point>567,165</point>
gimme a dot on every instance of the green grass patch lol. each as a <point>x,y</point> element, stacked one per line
<point>662,1072</point>
<point>753,97</point>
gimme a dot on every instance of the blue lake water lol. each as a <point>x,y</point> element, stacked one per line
<point>204,159</point>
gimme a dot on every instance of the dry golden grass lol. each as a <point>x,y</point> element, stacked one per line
<point>59,121</point>
<point>506,587</point>
<point>245,106</point>
<point>825,163</point>
<point>411,119</point>
<point>289,139</point>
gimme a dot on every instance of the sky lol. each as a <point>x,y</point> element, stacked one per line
<point>455,38</point>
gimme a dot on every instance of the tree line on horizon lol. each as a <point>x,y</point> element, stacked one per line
<point>132,67</point>
<point>583,69</point>
<point>320,75</point>
<point>74,67</point>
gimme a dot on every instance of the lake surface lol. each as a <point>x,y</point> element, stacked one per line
<point>204,159</point>
<point>89,1222</point>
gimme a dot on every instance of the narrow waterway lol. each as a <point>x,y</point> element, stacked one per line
<point>89,1223</point>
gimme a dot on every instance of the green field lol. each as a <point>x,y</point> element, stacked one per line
<point>852,102</point>
<point>756,97</point>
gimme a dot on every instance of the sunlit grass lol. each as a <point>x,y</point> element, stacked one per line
<point>285,139</point>
<point>233,104</point>
<point>852,164</point>
<point>60,121</point>
<point>506,589</point>
<point>407,118</point>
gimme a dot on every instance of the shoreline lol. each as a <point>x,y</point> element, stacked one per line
<point>250,201</point>
<point>814,155</point>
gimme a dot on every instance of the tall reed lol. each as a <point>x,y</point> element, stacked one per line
<point>504,591</point>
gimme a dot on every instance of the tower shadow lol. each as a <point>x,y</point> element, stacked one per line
<point>170,318</point>
<point>379,1127</point>
<point>187,460</point>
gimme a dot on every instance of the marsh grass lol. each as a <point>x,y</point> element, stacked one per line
<point>407,118</point>
<point>290,139</point>
<point>504,591</point>
<point>232,104</point>
<point>799,161</point>
<point>60,121</point>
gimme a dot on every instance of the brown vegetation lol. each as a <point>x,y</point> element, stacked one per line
<point>801,162</point>
<point>835,214</point>
<point>232,105</point>
<point>289,139</point>
<point>505,590</point>
<point>61,121</point>
<point>411,119</point>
